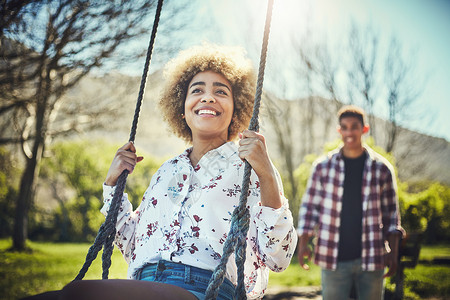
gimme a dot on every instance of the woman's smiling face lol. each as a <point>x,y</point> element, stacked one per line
<point>209,105</point>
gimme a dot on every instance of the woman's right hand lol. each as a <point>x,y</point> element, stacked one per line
<point>125,159</point>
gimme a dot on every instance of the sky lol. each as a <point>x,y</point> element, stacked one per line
<point>422,27</point>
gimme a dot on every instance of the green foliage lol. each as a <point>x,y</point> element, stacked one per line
<point>427,211</point>
<point>9,178</point>
<point>74,173</point>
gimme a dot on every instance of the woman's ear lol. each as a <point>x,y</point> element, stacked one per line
<point>366,128</point>
<point>338,128</point>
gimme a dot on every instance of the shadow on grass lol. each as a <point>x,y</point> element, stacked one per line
<point>293,295</point>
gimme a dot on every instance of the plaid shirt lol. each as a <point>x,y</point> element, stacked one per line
<point>322,204</point>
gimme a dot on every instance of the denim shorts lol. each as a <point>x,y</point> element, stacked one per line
<point>193,279</point>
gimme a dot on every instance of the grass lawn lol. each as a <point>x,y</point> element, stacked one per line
<point>295,275</point>
<point>52,265</point>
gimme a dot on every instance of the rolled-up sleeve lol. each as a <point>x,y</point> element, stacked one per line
<point>390,204</point>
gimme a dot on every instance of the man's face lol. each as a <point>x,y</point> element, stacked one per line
<point>351,130</point>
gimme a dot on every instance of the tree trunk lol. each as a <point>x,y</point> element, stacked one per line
<point>21,221</point>
<point>27,183</point>
<point>24,200</point>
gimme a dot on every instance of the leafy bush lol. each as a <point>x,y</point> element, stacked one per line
<point>427,211</point>
<point>73,175</point>
<point>9,178</point>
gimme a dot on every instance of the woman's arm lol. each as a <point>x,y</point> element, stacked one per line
<point>272,221</point>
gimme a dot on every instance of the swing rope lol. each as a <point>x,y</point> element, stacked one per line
<point>237,236</point>
<point>107,231</point>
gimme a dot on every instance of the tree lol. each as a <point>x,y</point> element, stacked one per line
<point>327,76</point>
<point>364,55</point>
<point>375,77</point>
<point>280,120</point>
<point>47,48</point>
<point>12,12</point>
<point>400,90</point>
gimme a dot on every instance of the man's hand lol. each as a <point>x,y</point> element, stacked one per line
<point>391,258</point>
<point>303,250</point>
<point>391,262</point>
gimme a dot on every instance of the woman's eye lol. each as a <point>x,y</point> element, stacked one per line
<point>222,92</point>
<point>195,91</point>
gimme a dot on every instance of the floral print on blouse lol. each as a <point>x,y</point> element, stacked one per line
<point>185,217</point>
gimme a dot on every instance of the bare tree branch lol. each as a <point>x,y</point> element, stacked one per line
<point>48,47</point>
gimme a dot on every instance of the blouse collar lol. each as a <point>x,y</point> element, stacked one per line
<point>226,150</point>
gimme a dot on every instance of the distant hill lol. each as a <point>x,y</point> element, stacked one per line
<point>418,156</point>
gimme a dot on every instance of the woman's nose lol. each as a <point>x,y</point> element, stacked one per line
<point>208,99</point>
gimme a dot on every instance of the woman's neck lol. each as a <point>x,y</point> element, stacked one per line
<point>201,146</point>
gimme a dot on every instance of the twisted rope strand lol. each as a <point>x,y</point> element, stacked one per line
<point>107,231</point>
<point>145,72</point>
<point>111,221</point>
<point>240,220</point>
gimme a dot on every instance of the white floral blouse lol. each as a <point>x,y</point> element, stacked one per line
<point>185,217</point>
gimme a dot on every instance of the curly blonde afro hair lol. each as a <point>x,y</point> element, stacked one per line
<point>228,61</point>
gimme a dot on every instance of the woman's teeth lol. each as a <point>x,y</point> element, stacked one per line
<point>207,112</point>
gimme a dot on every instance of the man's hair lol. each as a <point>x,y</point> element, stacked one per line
<point>228,61</point>
<point>352,111</point>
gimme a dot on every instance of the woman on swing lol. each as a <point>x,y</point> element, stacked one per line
<point>174,239</point>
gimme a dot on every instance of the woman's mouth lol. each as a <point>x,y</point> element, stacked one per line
<point>207,112</point>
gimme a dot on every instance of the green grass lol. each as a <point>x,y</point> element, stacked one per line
<point>52,265</point>
<point>48,267</point>
<point>430,252</point>
<point>295,275</point>
<point>429,280</point>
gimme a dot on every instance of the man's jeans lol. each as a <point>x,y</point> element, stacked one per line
<point>336,285</point>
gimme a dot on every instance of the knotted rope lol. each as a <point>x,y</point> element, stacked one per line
<point>107,231</point>
<point>237,236</point>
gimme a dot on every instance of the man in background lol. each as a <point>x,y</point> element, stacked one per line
<point>351,206</point>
